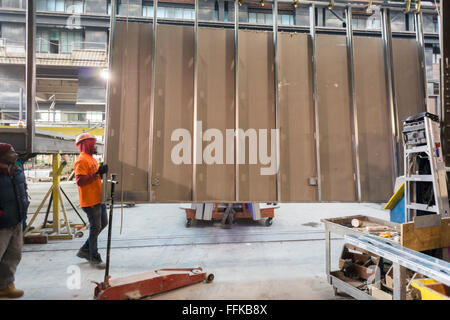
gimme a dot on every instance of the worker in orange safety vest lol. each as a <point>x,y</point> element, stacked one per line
<point>88,175</point>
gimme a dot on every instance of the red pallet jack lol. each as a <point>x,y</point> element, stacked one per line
<point>144,284</point>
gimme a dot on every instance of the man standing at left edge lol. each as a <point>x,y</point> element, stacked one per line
<point>13,210</point>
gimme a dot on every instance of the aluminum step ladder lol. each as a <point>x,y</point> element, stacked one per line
<point>422,148</point>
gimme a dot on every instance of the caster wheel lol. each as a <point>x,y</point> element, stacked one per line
<point>79,234</point>
<point>188,223</point>
<point>209,278</point>
<point>268,222</point>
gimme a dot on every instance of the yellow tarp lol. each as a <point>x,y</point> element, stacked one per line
<point>67,130</point>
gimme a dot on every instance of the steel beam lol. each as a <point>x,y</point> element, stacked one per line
<point>236,98</point>
<point>152,99</point>
<point>353,106</point>
<point>312,31</point>
<point>275,88</point>
<point>20,104</point>
<point>30,73</point>
<point>112,27</point>
<point>418,21</point>
<point>399,282</point>
<point>445,78</point>
<point>413,260</point>
<point>390,91</point>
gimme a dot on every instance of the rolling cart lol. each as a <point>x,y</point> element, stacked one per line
<point>229,212</point>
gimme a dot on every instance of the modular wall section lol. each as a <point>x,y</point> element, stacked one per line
<point>408,84</point>
<point>129,106</point>
<point>296,109</point>
<point>256,112</point>
<point>336,160</point>
<point>174,102</point>
<point>215,175</point>
<point>373,120</point>
<point>152,149</point>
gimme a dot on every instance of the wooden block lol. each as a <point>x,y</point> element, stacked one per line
<point>426,238</point>
<point>380,294</point>
<point>35,238</point>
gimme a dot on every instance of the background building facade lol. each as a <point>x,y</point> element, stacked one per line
<point>72,44</point>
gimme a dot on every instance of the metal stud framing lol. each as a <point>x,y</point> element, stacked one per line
<point>236,98</point>
<point>444,24</point>
<point>353,107</point>
<point>275,88</point>
<point>112,28</point>
<point>312,24</point>
<point>390,89</point>
<point>152,98</point>
<point>30,74</point>
<point>196,157</point>
<point>418,21</point>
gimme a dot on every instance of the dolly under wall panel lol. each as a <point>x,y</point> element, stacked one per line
<point>128,113</point>
<point>174,100</point>
<point>215,109</point>
<point>296,111</point>
<point>375,138</point>
<point>256,111</point>
<point>336,153</point>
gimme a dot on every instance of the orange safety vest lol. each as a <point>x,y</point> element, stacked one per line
<point>90,194</point>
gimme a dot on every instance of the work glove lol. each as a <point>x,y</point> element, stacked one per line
<point>26,156</point>
<point>102,169</point>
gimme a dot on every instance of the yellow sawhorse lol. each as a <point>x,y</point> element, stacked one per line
<point>55,229</point>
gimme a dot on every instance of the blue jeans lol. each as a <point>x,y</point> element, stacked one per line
<point>98,220</point>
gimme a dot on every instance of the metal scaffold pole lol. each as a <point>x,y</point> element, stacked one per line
<point>30,73</point>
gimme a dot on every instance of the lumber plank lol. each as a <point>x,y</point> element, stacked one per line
<point>426,238</point>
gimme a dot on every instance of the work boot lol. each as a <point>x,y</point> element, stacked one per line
<point>83,254</point>
<point>11,292</point>
<point>97,262</point>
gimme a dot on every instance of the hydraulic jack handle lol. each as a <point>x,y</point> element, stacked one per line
<point>113,182</point>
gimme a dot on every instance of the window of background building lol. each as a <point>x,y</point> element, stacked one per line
<point>169,12</point>
<point>48,115</point>
<point>94,116</point>
<point>266,18</point>
<point>58,41</point>
<point>74,6</point>
<point>69,6</point>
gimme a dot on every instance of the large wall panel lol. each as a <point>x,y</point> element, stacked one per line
<point>174,101</point>
<point>297,144</point>
<point>375,139</point>
<point>336,160</point>
<point>215,109</point>
<point>131,132</point>
<point>256,109</point>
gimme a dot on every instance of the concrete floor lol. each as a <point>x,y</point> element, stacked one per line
<point>249,261</point>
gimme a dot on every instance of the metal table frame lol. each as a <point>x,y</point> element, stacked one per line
<point>399,271</point>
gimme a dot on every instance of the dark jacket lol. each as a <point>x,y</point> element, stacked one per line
<point>13,199</point>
